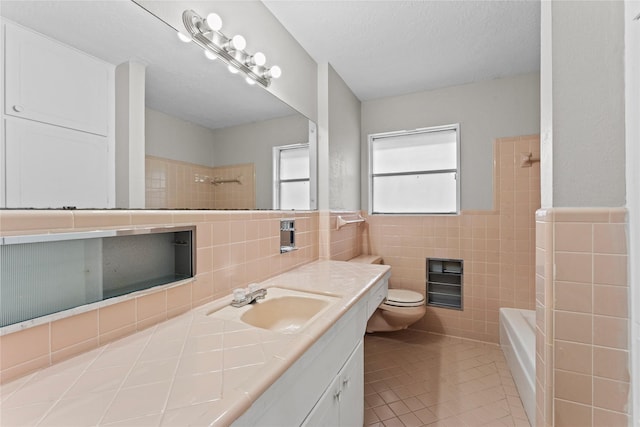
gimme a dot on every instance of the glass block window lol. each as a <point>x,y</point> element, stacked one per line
<point>415,172</point>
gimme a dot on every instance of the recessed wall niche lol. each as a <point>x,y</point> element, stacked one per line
<point>45,274</point>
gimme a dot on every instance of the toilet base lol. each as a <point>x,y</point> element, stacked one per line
<point>394,319</point>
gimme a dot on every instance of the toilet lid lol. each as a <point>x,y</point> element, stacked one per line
<point>404,298</point>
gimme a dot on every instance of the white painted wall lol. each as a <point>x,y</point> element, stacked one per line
<point>173,138</point>
<point>546,106</point>
<point>588,104</point>
<point>632,108</point>
<point>486,111</point>
<point>344,145</point>
<point>130,135</point>
<point>253,143</point>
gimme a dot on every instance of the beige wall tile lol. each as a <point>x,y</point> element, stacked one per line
<point>116,316</point>
<point>610,332</point>
<point>30,220</point>
<point>573,387</point>
<point>609,239</point>
<point>573,237</point>
<point>610,269</point>
<point>611,300</point>
<point>611,363</point>
<point>609,394</point>
<point>23,346</point>
<point>204,260</point>
<point>151,305</point>
<point>74,350</point>
<point>575,297</point>
<point>74,330</point>
<point>570,414</point>
<point>573,267</point>
<point>593,215</point>
<point>602,417</point>
<point>101,218</point>
<point>178,296</point>
<point>23,369</point>
<point>573,357</point>
<point>574,327</point>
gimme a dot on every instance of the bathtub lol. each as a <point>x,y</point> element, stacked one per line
<point>518,342</point>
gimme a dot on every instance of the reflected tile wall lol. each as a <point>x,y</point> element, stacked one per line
<point>172,184</point>
<point>233,250</point>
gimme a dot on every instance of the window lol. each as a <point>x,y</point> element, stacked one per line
<point>415,172</point>
<point>291,177</point>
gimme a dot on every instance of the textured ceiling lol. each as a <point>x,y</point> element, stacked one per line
<point>386,48</point>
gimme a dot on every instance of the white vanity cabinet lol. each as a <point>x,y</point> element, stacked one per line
<point>58,121</point>
<point>325,386</point>
<point>342,404</point>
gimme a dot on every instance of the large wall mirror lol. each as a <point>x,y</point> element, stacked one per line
<point>210,139</point>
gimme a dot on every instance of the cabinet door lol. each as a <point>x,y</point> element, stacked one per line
<point>52,83</point>
<point>50,167</point>
<point>351,379</point>
<point>326,413</point>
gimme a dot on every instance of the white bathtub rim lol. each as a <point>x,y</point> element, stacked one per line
<point>519,351</point>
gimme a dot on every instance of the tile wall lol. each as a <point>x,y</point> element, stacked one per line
<point>346,243</point>
<point>498,247</point>
<point>233,250</point>
<point>172,184</point>
<point>582,349</point>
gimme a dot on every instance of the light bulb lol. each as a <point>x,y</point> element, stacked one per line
<point>210,55</point>
<point>259,58</point>
<point>214,21</point>
<point>232,69</point>
<point>238,42</point>
<point>250,81</point>
<point>184,38</point>
<point>274,72</point>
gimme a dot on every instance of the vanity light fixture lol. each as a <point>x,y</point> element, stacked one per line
<point>205,32</point>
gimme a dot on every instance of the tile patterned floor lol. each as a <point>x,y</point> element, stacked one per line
<point>414,378</point>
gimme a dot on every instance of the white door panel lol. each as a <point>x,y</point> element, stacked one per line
<point>51,167</point>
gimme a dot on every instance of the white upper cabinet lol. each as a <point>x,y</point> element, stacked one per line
<point>52,167</point>
<point>52,83</point>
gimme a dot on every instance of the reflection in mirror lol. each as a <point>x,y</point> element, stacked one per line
<point>203,137</point>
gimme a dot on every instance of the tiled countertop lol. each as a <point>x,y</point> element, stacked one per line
<point>193,369</point>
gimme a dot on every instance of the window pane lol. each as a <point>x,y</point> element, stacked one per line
<point>294,163</point>
<point>430,193</point>
<point>294,195</point>
<point>415,152</point>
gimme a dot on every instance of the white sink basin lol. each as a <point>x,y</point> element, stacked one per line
<point>282,310</point>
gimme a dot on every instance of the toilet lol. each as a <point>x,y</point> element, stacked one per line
<point>400,309</point>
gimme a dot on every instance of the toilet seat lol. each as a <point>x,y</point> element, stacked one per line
<point>404,298</point>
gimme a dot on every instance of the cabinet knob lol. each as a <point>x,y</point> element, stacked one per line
<point>337,395</point>
<point>18,108</point>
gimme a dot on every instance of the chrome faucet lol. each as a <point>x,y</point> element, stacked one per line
<point>242,297</point>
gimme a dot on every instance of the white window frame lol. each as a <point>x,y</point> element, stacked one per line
<point>455,127</point>
<point>276,171</point>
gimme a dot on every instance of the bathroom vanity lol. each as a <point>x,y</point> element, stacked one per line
<point>293,358</point>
